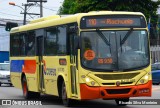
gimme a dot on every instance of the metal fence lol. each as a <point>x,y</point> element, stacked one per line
<point>155,50</point>
<point>155,53</point>
<point>154,42</point>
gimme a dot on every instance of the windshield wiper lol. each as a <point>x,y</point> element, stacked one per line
<point>126,36</point>
<point>103,37</point>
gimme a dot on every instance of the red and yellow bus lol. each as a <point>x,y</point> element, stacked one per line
<point>82,56</point>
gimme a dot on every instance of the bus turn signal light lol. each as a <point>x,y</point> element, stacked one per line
<point>62,61</point>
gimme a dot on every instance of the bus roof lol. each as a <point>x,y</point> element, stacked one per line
<point>64,19</point>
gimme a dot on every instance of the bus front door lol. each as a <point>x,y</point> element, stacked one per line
<point>40,67</point>
<point>73,69</point>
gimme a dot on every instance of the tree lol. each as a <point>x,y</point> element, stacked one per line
<point>67,7</point>
<point>147,7</point>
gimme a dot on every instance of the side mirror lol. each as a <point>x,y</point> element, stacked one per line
<point>10,25</point>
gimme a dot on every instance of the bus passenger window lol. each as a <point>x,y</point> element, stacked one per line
<point>22,43</point>
<point>14,45</point>
<point>61,43</point>
<point>50,41</point>
<point>30,48</point>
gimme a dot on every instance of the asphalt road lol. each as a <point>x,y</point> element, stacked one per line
<point>47,101</point>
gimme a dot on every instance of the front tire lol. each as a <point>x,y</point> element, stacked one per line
<point>28,94</point>
<point>66,101</point>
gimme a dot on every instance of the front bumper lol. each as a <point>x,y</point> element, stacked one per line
<point>88,93</point>
<point>5,81</point>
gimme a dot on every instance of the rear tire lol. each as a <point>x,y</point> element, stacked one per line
<point>66,101</point>
<point>0,84</point>
<point>119,102</point>
<point>28,94</point>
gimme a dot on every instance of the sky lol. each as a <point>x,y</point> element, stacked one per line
<point>7,11</point>
<point>51,7</point>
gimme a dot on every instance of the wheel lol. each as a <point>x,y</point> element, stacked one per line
<point>0,84</point>
<point>122,102</point>
<point>28,94</point>
<point>11,85</point>
<point>66,101</point>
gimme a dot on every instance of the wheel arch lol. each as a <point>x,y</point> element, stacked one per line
<point>60,80</point>
<point>22,75</point>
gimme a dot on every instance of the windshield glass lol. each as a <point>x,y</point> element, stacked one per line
<point>114,50</point>
<point>4,67</point>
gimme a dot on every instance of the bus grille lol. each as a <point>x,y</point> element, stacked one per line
<point>118,91</point>
<point>117,76</point>
<point>122,83</point>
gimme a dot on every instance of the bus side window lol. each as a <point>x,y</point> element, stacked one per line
<point>61,40</point>
<point>71,34</point>
<point>50,41</point>
<point>30,46</point>
<point>14,45</point>
<point>22,43</point>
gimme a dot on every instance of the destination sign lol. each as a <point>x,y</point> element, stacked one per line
<point>112,21</point>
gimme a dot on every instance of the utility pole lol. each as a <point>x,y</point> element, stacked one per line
<point>25,12</point>
<point>24,9</point>
<point>41,8</point>
<point>40,4</point>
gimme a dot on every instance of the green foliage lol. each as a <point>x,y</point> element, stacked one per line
<point>147,7</point>
<point>67,7</point>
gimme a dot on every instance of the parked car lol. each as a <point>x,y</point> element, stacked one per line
<point>156,73</point>
<point>5,74</point>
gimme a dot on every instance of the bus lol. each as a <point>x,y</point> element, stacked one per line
<point>81,57</point>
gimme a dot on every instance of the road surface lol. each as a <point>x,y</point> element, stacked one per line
<point>47,101</point>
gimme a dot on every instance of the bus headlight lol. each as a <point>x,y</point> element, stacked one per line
<point>89,81</point>
<point>144,79</point>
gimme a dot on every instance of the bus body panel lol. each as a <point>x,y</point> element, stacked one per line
<point>16,79</point>
<point>52,70</point>
<point>27,66</point>
<point>88,93</point>
<point>81,83</point>
<point>133,89</point>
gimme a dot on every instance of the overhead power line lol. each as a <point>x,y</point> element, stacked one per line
<point>10,14</point>
<point>38,5</point>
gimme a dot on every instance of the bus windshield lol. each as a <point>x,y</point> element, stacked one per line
<point>114,50</point>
